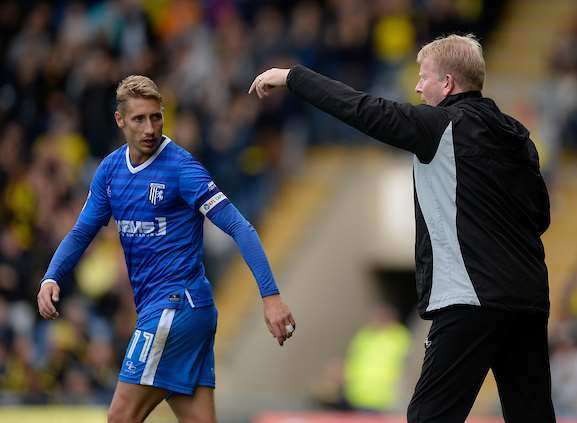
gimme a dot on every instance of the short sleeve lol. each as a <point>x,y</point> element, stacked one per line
<point>96,210</point>
<point>198,189</point>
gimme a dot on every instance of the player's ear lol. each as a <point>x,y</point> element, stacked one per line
<point>119,119</point>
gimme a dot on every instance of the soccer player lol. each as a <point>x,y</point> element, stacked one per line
<point>481,207</point>
<point>159,196</point>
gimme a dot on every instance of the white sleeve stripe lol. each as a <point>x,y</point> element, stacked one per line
<point>212,202</point>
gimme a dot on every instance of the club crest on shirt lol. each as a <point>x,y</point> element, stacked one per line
<point>130,367</point>
<point>156,193</point>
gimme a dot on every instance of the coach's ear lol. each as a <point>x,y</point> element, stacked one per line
<point>449,85</point>
<point>119,119</point>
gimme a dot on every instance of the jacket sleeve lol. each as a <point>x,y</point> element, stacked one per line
<point>417,129</point>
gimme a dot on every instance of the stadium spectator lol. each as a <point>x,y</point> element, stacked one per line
<point>564,367</point>
<point>564,351</point>
<point>375,361</point>
<point>563,104</point>
<point>368,377</point>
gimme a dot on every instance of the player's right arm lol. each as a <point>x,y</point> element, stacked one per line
<point>95,214</point>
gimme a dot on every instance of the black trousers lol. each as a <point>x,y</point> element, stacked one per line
<point>463,344</point>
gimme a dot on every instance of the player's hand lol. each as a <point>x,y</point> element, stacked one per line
<point>48,295</point>
<point>266,81</point>
<point>278,318</point>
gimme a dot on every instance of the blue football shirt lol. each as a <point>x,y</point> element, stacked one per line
<point>159,208</point>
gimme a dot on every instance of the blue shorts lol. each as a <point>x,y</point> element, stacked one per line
<point>172,349</point>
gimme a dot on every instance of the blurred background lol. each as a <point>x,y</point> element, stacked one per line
<point>333,208</point>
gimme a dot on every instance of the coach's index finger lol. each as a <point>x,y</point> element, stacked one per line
<point>253,85</point>
<point>269,80</point>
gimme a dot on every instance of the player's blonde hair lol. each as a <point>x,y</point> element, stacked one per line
<point>458,55</point>
<point>136,86</point>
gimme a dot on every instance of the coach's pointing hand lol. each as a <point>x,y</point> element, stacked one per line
<point>48,295</point>
<point>278,318</point>
<point>268,80</point>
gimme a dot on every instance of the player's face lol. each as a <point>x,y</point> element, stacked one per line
<point>431,86</point>
<point>141,123</point>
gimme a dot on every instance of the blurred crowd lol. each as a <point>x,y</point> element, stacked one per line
<point>561,119</point>
<point>563,350</point>
<point>369,377</point>
<point>562,105</point>
<point>61,62</point>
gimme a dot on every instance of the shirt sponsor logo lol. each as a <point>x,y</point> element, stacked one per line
<point>156,193</point>
<point>212,202</point>
<point>142,228</point>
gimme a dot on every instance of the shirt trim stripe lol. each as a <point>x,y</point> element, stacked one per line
<point>149,161</point>
<point>188,297</point>
<point>155,354</point>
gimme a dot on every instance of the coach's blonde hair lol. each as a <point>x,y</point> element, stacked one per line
<point>458,55</point>
<point>136,86</point>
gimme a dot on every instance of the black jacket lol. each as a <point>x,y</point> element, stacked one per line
<point>481,204</point>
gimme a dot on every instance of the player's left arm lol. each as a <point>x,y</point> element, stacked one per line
<point>278,317</point>
<point>202,194</point>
